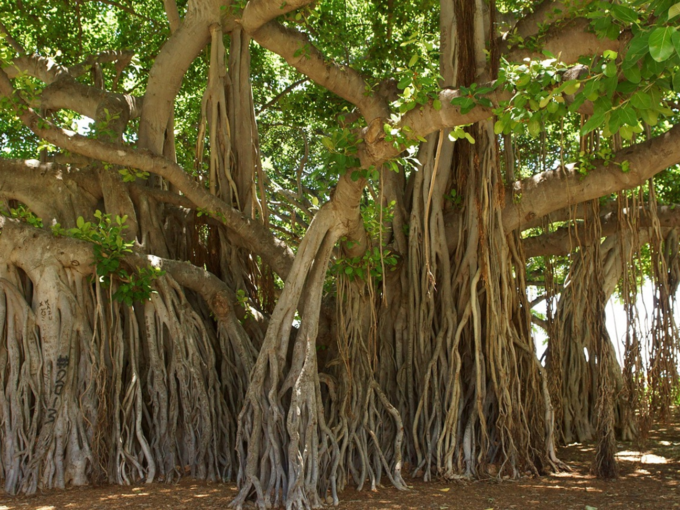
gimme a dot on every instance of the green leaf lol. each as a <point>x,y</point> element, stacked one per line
<point>523,81</point>
<point>661,44</point>
<point>628,115</point>
<point>80,222</point>
<point>650,117</point>
<point>465,103</point>
<point>675,39</point>
<point>673,11</point>
<point>593,123</point>
<point>638,48</point>
<point>498,127</point>
<point>570,87</point>
<point>413,60</point>
<point>641,100</point>
<point>327,142</point>
<point>578,101</point>
<point>626,132</point>
<point>676,82</point>
<point>615,121</point>
<point>626,87</point>
<point>437,104</point>
<point>632,74</point>
<point>534,126</point>
<point>623,13</point>
<point>610,69</point>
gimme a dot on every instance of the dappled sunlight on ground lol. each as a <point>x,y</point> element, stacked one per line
<point>650,479</point>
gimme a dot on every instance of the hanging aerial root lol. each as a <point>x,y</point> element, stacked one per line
<point>368,426</point>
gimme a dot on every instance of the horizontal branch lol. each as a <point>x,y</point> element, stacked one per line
<point>564,240</point>
<point>105,57</point>
<point>78,256</point>
<point>63,91</point>
<point>569,42</point>
<point>547,12</point>
<point>552,190</point>
<point>423,121</point>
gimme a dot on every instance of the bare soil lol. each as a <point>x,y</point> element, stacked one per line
<point>650,478</point>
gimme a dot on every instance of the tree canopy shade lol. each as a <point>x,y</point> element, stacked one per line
<point>288,243</point>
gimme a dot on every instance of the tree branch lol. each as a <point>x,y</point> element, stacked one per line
<point>562,241</point>
<point>556,189</point>
<point>342,80</point>
<point>259,12</point>
<point>13,42</point>
<point>251,233</point>
<point>569,42</point>
<point>546,12</point>
<point>539,322</point>
<point>281,94</point>
<point>169,68</point>
<point>104,57</point>
<point>63,91</point>
<point>173,15</point>
<point>423,121</point>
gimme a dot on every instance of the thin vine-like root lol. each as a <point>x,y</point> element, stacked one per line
<point>371,437</point>
<point>663,349</point>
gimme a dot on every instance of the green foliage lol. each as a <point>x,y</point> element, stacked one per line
<point>418,86</point>
<point>369,265</point>
<point>109,250</point>
<point>472,96</point>
<point>374,260</point>
<point>586,161</point>
<point>341,151</point>
<point>454,197</point>
<point>103,127</point>
<point>22,213</point>
<point>242,299</point>
<point>132,174</point>
<point>538,88</point>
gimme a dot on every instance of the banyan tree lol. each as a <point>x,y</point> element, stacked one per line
<point>289,243</point>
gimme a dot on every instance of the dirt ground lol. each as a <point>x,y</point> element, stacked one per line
<point>649,479</point>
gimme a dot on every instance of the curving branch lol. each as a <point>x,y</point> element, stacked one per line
<point>260,12</point>
<point>123,57</point>
<point>169,68</point>
<point>278,96</point>
<point>547,12</point>
<point>423,121</point>
<point>63,91</point>
<point>342,80</point>
<point>562,240</point>
<point>552,190</point>
<point>570,41</point>
<point>250,233</point>
<point>12,42</point>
